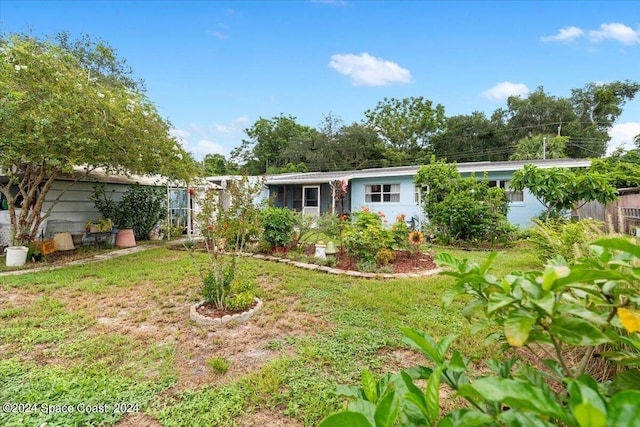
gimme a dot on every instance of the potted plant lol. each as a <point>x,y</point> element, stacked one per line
<point>99,225</point>
<point>34,253</point>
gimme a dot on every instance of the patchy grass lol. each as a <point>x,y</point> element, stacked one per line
<point>118,331</point>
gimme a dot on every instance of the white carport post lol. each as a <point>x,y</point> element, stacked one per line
<point>188,213</point>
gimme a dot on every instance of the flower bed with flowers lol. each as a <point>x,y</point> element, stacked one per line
<point>367,243</point>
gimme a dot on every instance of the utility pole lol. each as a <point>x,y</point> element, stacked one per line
<point>544,148</point>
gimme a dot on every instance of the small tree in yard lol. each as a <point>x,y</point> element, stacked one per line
<point>66,105</point>
<point>226,231</point>
<point>559,189</point>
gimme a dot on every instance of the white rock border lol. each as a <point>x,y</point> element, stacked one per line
<point>236,318</point>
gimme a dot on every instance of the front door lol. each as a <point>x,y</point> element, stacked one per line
<point>311,200</point>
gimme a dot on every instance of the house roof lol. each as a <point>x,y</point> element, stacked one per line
<point>101,175</point>
<point>478,167</point>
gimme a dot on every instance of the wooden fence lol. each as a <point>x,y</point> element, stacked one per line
<point>622,216</point>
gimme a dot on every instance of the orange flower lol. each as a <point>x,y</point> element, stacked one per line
<point>365,209</point>
<point>400,217</point>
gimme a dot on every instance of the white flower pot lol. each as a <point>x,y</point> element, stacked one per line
<point>16,255</point>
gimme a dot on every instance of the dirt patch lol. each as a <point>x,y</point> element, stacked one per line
<point>267,418</point>
<point>135,313</point>
<point>138,420</point>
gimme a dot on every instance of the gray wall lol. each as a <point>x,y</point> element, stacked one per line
<point>74,208</point>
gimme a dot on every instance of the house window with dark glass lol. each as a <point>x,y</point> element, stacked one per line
<point>512,195</point>
<point>382,193</point>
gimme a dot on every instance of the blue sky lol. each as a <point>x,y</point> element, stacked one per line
<point>213,67</point>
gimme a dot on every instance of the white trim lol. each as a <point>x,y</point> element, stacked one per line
<point>311,210</point>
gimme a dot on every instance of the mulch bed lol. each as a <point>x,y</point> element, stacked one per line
<point>406,262</point>
<point>208,309</point>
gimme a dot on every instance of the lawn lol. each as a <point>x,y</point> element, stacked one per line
<point>111,342</point>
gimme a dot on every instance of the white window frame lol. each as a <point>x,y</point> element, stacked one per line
<point>511,194</point>
<point>393,193</point>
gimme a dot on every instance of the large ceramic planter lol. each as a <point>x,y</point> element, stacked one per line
<point>221,321</point>
<point>125,238</point>
<point>16,256</point>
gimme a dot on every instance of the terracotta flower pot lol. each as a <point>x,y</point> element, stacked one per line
<point>125,238</point>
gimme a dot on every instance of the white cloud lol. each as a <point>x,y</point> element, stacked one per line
<point>567,34</point>
<point>622,136</point>
<point>615,31</point>
<point>611,31</point>
<point>204,147</point>
<point>504,90</point>
<point>219,35</point>
<point>232,127</point>
<point>211,138</point>
<point>366,70</point>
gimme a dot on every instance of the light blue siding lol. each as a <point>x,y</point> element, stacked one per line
<point>391,210</point>
<point>520,213</point>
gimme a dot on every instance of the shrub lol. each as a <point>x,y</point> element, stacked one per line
<point>331,225</point>
<point>365,236</point>
<point>569,239</point>
<point>278,226</point>
<point>549,313</point>
<point>216,285</point>
<point>461,208</point>
<point>240,301</point>
<point>385,256</point>
<point>142,207</point>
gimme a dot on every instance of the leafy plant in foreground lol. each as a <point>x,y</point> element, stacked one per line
<point>588,307</point>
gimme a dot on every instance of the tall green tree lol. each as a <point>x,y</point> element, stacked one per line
<point>597,107</point>
<point>537,114</point>
<point>585,117</point>
<point>357,146</point>
<point>56,115</point>
<point>217,164</point>
<point>622,168</point>
<point>406,126</point>
<point>344,147</point>
<point>268,138</point>
<point>471,138</point>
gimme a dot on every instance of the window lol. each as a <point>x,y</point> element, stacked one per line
<point>514,196</point>
<point>297,198</point>
<point>382,193</point>
<point>280,196</point>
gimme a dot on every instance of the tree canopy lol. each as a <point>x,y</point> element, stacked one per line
<point>58,113</point>
<point>408,131</point>
<point>469,138</point>
<point>406,125</point>
<point>560,189</point>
